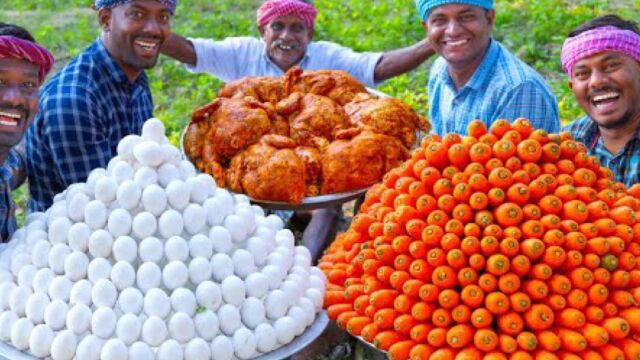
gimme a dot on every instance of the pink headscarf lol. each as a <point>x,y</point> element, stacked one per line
<point>13,47</point>
<point>598,40</point>
<point>272,9</point>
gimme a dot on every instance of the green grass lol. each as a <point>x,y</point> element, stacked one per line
<point>534,30</point>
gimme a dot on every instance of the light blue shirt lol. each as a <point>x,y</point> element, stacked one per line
<point>236,57</point>
<point>503,87</point>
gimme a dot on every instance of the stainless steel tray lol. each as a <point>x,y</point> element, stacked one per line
<point>311,334</point>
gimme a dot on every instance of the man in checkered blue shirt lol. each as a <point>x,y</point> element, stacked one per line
<point>23,67</point>
<point>97,99</point>
<point>602,59</point>
<point>475,76</point>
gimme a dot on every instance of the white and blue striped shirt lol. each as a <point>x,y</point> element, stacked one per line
<point>503,87</point>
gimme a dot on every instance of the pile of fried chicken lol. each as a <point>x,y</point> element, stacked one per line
<point>304,134</point>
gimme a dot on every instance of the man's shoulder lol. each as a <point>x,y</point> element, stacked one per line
<point>80,74</point>
<point>515,70</point>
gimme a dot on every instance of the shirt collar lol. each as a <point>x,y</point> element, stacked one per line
<point>113,70</point>
<point>482,74</point>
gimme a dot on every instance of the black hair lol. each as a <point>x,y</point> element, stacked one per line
<point>15,30</point>
<point>606,20</point>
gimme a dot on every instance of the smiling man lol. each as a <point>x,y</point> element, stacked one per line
<point>286,28</point>
<point>97,99</point>
<point>23,67</point>
<point>475,76</point>
<point>602,59</point>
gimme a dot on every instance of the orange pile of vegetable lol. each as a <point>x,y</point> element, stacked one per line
<point>505,244</point>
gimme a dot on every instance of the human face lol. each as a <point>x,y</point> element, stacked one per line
<point>134,33</point>
<point>286,39</point>
<point>607,87</point>
<point>460,33</point>
<point>19,85</point>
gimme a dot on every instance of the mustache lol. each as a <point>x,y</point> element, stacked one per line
<point>293,44</point>
<point>603,90</point>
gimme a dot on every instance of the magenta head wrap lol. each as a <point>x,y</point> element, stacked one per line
<point>272,9</point>
<point>598,40</point>
<point>13,47</point>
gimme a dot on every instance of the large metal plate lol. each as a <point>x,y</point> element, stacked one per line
<point>311,334</point>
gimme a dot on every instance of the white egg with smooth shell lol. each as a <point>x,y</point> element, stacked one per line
<point>237,228</point>
<point>99,268</point>
<point>154,331</point>
<point>90,348</point>
<point>244,343</point>
<point>209,295</point>
<point>148,276</point>
<point>194,218</point>
<point>170,224</point>
<point>157,303</point>
<point>215,211</point>
<point>57,256</point>
<point>221,266</point>
<point>222,348</point>
<point>176,249</point>
<point>148,153</point>
<point>178,194</point>
<point>128,328</point>
<point>207,325</point>
<point>183,300</point>
<point>129,195</point>
<point>285,329</point>
<point>59,230</point>
<point>104,293</point>
<point>230,319</point>
<point>233,290</point>
<point>60,288</point>
<point>199,191</point>
<point>55,315</point>
<point>123,275</point>
<point>79,319</point>
<point>197,349</point>
<point>41,281</point>
<point>154,199</point>
<point>168,173</point>
<point>276,304</point>
<point>199,270</point>
<point>64,346</point>
<point>100,244</point>
<point>78,237</point>
<point>266,338</point>
<point>20,333</point>
<point>103,322</point>
<point>182,328</point>
<point>125,249</point>
<point>126,146</point>
<point>130,301</point>
<point>7,320</point>
<point>106,189</point>
<point>81,293</point>
<point>257,285</point>
<point>153,130</point>
<point>26,275</point>
<point>144,225</point>
<point>151,250</point>
<point>114,349</point>
<point>253,312</point>
<point>187,170</point>
<point>170,350</point>
<point>76,266</point>
<point>145,176</point>
<point>36,306</point>
<point>243,263</point>
<point>221,239</point>
<point>119,223</point>
<point>141,351</point>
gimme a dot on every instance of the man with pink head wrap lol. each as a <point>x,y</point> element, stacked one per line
<point>23,66</point>
<point>602,60</point>
<point>286,28</point>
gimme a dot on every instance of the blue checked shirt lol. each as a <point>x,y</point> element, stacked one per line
<point>85,109</point>
<point>625,164</point>
<point>503,87</point>
<point>12,175</point>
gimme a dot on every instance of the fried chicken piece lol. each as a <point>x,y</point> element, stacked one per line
<point>313,119</point>
<point>359,158</point>
<point>202,154</point>
<point>234,124</point>
<point>269,170</point>
<point>263,88</point>
<point>312,160</point>
<point>388,116</point>
<point>337,85</point>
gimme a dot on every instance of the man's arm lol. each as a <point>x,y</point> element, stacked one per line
<point>400,61</point>
<point>180,49</point>
<point>531,101</point>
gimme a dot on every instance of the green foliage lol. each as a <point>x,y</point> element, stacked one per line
<point>534,30</point>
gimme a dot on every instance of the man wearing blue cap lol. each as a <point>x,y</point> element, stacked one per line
<point>475,76</point>
<point>97,99</point>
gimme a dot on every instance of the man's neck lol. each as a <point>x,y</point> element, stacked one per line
<point>131,74</point>
<point>616,138</point>
<point>4,153</point>
<point>462,73</point>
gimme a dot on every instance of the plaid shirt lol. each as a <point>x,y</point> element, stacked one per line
<point>85,109</point>
<point>625,164</point>
<point>12,175</point>
<point>503,87</point>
